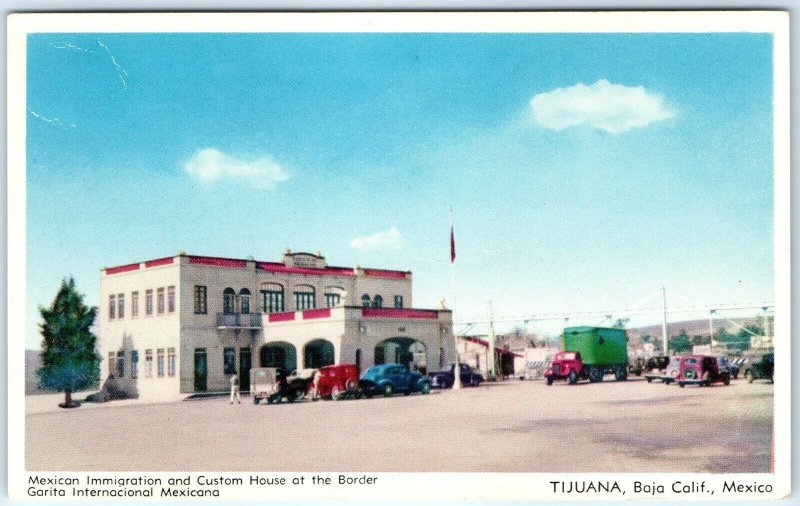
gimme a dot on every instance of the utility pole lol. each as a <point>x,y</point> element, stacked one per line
<point>664,327</point>
<point>490,359</point>
<point>711,328</point>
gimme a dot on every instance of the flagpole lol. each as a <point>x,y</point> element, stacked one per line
<point>457,367</point>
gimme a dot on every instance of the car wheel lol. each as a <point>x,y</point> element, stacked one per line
<point>425,388</point>
<point>335,393</point>
<point>549,380</point>
<point>726,380</point>
<point>680,384</point>
<point>255,400</point>
<point>749,376</point>
<point>388,390</point>
<point>649,380</point>
<point>573,377</point>
<point>595,375</point>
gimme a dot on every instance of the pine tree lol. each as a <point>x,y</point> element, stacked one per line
<point>70,361</point>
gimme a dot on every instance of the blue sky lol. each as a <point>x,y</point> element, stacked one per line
<point>584,171</point>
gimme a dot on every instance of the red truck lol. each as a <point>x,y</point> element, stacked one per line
<point>590,353</point>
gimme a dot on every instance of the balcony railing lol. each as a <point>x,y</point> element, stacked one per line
<point>239,321</point>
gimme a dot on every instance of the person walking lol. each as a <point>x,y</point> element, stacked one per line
<point>235,389</point>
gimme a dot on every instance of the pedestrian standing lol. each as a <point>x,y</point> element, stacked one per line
<point>235,389</point>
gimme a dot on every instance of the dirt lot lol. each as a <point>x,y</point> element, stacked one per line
<point>511,426</point>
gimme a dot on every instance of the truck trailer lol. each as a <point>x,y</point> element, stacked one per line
<point>590,353</point>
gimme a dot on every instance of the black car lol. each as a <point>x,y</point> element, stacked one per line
<point>445,378</point>
<point>760,367</point>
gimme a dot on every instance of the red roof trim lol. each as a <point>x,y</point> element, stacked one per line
<point>218,262</point>
<point>310,314</point>
<point>384,273</point>
<point>122,268</point>
<point>327,271</point>
<point>426,314</point>
<point>281,317</point>
<point>236,263</point>
<point>159,261</point>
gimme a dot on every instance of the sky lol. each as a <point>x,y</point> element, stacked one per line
<point>584,171</point>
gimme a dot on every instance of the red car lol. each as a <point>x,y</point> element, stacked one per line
<point>702,370</point>
<point>337,381</point>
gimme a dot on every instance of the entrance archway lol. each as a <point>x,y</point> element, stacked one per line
<point>318,353</point>
<point>278,354</point>
<point>402,350</point>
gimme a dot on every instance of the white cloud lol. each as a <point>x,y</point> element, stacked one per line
<point>613,108</point>
<point>210,165</point>
<point>389,239</point>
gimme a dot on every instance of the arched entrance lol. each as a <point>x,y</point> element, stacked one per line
<point>402,350</point>
<point>278,354</point>
<point>318,353</point>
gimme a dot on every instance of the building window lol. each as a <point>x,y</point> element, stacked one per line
<point>229,301</point>
<point>272,298</point>
<point>377,301</point>
<point>171,299</point>
<point>304,298</point>
<point>112,363</point>
<point>121,364</point>
<point>160,362</point>
<point>148,363</point>
<point>200,299</point>
<point>134,364</point>
<point>170,361</point>
<point>134,304</point>
<point>148,302</point>
<point>332,299</point>
<point>229,360</point>
<point>398,301</point>
<point>160,301</point>
<point>333,296</point>
<point>244,301</point>
<point>365,300</point>
<point>112,307</point>
<point>121,305</point>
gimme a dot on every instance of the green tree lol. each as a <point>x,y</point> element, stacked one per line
<point>70,361</point>
<point>681,343</point>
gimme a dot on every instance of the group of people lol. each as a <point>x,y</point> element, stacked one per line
<point>282,385</point>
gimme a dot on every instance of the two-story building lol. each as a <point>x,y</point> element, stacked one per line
<point>185,324</point>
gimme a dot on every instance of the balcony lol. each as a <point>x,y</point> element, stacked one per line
<point>238,321</point>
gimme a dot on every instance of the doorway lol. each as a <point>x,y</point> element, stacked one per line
<point>200,370</point>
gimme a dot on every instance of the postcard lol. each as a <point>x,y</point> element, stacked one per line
<point>432,256</point>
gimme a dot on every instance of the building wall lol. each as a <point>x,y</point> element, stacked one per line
<point>187,331</point>
<point>142,332</point>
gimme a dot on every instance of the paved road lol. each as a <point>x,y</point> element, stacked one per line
<point>505,427</point>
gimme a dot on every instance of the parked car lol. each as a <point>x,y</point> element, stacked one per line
<point>387,379</point>
<point>761,367</point>
<point>702,370</point>
<point>663,369</point>
<point>446,378</point>
<point>637,366</point>
<point>263,383</point>
<point>726,364</point>
<point>337,381</point>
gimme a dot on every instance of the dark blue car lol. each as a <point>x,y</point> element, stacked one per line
<point>387,379</point>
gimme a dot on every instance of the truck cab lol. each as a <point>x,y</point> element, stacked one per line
<point>566,365</point>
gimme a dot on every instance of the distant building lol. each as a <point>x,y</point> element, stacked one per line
<point>184,324</point>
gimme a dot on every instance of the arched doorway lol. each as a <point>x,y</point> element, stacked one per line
<point>402,350</point>
<point>318,353</point>
<point>278,354</point>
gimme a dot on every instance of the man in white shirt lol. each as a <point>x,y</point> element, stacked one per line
<point>235,389</point>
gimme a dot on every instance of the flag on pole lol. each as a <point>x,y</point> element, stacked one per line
<point>452,244</point>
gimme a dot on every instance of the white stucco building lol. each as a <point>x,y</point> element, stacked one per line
<point>184,324</point>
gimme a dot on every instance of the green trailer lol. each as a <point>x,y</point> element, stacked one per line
<point>602,350</point>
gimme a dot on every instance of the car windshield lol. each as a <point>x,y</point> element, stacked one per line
<point>567,356</point>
